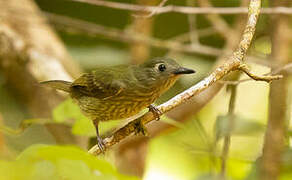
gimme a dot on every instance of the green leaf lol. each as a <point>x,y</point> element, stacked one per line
<point>65,111</point>
<point>208,177</point>
<point>68,110</point>
<point>263,45</point>
<point>83,127</point>
<point>58,162</point>
<point>241,126</point>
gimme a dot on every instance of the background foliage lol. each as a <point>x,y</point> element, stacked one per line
<point>189,150</point>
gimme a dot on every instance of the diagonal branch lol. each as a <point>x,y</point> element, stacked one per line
<point>233,63</point>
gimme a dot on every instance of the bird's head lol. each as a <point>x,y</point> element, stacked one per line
<point>163,71</point>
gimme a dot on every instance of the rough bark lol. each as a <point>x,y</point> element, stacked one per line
<point>274,142</point>
<point>31,52</point>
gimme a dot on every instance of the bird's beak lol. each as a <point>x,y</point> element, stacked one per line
<point>183,70</point>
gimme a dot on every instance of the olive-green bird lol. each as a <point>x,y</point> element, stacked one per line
<point>110,93</point>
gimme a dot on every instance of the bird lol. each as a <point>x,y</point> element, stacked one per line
<point>121,91</point>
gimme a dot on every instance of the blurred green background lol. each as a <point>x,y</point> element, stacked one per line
<point>188,150</point>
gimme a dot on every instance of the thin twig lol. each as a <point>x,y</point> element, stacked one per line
<point>285,69</point>
<point>227,138</point>
<point>194,37</point>
<point>217,21</point>
<point>152,13</point>
<point>72,25</point>
<point>267,78</point>
<point>233,63</point>
<point>182,9</point>
<point>127,36</point>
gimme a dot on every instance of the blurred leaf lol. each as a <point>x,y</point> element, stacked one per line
<point>254,172</point>
<point>263,45</point>
<point>241,126</point>
<point>287,159</point>
<point>82,126</point>
<point>65,111</point>
<point>208,177</point>
<point>58,162</point>
<point>68,110</point>
<point>289,132</point>
<point>23,126</point>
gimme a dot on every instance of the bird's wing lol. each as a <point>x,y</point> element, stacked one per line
<point>100,85</point>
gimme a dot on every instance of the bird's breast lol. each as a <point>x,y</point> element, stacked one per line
<point>126,104</point>
<point>113,108</point>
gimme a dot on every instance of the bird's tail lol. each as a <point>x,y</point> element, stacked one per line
<point>58,84</point>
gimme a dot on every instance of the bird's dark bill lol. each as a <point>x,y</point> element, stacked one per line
<point>183,70</point>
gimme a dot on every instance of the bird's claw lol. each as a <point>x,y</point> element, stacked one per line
<point>101,144</point>
<point>156,112</point>
<point>140,129</point>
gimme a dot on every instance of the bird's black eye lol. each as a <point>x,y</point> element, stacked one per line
<point>162,67</point>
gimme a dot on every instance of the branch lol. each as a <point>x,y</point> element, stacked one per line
<point>233,63</point>
<point>152,13</point>
<point>286,69</point>
<point>267,78</point>
<point>192,19</point>
<point>275,140</point>
<point>227,138</point>
<point>181,9</point>
<point>217,21</point>
<point>128,37</point>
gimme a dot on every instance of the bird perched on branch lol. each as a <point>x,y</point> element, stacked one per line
<point>117,92</point>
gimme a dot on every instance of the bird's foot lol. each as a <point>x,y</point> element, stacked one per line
<point>156,112</point>
<point>140,129</point>
<point>101,144</point>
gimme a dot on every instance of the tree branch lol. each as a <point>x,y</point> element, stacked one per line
<point>227,138</point>
<point>152,13</point>
<point>233,63</point>
<point>124,36</point>
<point>217,21</point>
<point>267,78</point>
<point>181,9</point>
<point>278,123</point>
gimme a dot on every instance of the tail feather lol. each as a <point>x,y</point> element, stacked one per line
<point>58,84</point>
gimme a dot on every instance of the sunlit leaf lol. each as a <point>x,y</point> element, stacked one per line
<point>65,111</point>
<point>263,45</point>
<point>58,162</point>
<point>241,126</point>
<point>208,177</point>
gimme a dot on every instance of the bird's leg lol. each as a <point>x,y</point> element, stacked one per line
<point>156,112</point>
<point>100,143</point>
<point>140,129</point>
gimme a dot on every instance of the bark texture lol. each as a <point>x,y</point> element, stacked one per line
<point>31,52</point>
<point>274,142</point>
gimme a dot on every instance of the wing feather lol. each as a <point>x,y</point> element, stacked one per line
<point>101,85</point>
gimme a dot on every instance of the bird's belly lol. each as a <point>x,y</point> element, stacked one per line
<point>111,109</point>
